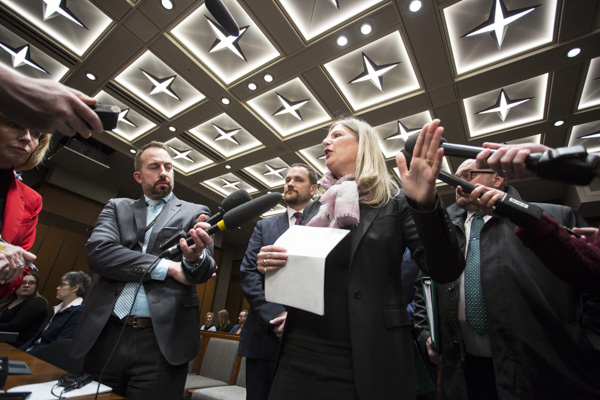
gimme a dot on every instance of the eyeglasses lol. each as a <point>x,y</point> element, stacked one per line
<point>469,175</point>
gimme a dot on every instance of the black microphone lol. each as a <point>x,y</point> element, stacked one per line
<point>235,199</point>
<point>518,211</point>
<point>568,164</point>
<point>223,16</point>
<point>234,218</point>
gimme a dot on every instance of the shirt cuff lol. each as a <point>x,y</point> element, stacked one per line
<point>160,272</point>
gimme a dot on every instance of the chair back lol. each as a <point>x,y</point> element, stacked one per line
<point>219,359</point>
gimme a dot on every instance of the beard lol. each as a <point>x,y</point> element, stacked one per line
<point>293,198</point>
<point>161,191</point>
<point>466,204</point>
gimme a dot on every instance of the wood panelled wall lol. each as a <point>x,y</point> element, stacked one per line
<point>64,226</point>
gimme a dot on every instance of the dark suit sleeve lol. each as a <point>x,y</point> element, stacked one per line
<point>203,270</point>
<point>252,281</point>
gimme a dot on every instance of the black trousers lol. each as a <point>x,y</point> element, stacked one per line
<point>137,369</point>
<point>259,377</point>
<point>480,377</point>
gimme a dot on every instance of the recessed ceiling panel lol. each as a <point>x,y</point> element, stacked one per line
<point>73,25</point>
<point>313,17</point>
<point>393,135</point>
<point>224,135</point>
<point>227,184</point>
<point>157,84</point>
<point>377,72</point>
<point>271,172</point>
<point>18,54</point>
<point>185,158</point>
<point>482,32</point>
<point>507,107</point>
<point>587,135</point>
<point>590,96</point>
<point>315,157</point>
<point>290,108</point>
<point>131,124</point>
<point>228,57</point>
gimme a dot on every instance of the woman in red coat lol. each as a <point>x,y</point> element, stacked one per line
<point>20,150</point>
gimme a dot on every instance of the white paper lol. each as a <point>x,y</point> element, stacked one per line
<point>41,391</point>
<point>301,282</point>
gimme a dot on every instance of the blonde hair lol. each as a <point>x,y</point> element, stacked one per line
<point>372,175</point>
<point>37,155</point>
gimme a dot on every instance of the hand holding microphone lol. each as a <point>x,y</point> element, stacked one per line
<point>233,218</point>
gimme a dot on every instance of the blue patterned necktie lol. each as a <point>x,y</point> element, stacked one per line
<point>474,304</point>
<point>125,300</point>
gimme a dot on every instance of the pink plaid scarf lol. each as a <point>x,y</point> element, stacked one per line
<point>340,203</point>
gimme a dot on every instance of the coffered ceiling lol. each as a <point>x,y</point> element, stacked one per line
<point>236,111</point>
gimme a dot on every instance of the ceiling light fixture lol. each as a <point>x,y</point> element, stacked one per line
<point>342,40</point>
<point>225,100</point>
<point>268,78</point>
<point>415,6</point>
<point>167,4</point>
<point>90,76</point>
<point>227,166</point>
<point>172,128</point>
<point>574,52</point>
<point>365,29</point>
<point>560,122</point>
<point>252,86</point>
<point>132,151</point>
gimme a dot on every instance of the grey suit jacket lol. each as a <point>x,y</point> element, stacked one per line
<point>115,254</point>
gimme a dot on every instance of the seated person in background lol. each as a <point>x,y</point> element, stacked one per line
<point>61,323</point>
<point>24,311</point>
<point>237,328</point>
<point>225,324</point>
<point>208,323</point>
<point>21,149</point>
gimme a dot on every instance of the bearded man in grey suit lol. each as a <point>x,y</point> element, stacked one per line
<point>144,307</point>
<point>265,321</point>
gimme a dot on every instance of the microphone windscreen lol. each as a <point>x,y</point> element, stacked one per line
<point>235,199</point>
<point>411,141</point>
<point>250,210</point>
<point>223,16</point>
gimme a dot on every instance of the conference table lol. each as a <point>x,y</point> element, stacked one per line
<point>42,372</point>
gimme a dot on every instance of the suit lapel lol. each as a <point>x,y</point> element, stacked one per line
<point>139,215</point>
<point>367,216</point>
<point>282,223</point>
<point>169,211</point>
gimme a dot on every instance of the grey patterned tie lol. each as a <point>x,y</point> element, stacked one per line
<point>474,304</point>
<point>125,300</point>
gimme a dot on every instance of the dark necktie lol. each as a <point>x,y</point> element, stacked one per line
<point>474,304</point>
<point>298,216</point>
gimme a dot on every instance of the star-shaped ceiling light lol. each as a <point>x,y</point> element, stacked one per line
<point>224,41</point>
<point>185,159</point>
<point>227,184</point>
<point>373,72</point>
<point>503,105</point>
<point>72,25</point>
<point>290,107</point>
<point>54,8</point>
<point>161,85</point>
<point>514,29</point>
<point>529,108</point>
<point>314,157</point>
<point>286,119</point>
<point>388,56</point>
<point>314,17</point>
<point>124,118</point>
<point>586,135</point>
<point>157,84</point>
<point>205,39</point>
<point>225,136</point>
<point>499,20</point>
<point>270,172</point>
<point>20,57</point>
<point>392,135</point>
<point>274,171</point>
